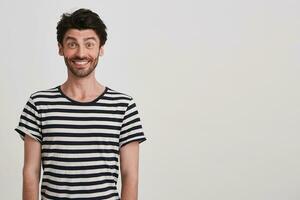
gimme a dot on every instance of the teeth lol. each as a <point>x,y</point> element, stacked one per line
<point>80,62</point>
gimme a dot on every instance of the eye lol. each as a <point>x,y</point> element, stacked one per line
<point>89,45</point>
<point>72,45</point>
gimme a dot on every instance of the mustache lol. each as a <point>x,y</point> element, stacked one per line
<point>79,58</point>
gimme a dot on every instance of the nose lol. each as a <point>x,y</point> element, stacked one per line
<point>81,51</point>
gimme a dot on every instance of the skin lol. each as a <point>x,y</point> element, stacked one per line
<point>129,164</point>
<point>81,51</point>
<point>31,168</point>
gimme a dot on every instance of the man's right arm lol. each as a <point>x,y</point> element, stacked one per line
<point>31,168</point>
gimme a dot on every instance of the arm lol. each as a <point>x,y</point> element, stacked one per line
<point>129,164</point>
<point>31,168</point>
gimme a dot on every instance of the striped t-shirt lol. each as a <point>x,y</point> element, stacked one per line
<point>80,141</point>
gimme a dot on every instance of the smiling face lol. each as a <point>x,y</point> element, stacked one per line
<point>81,50</point>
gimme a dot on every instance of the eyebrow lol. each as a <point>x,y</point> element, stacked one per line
<point>85,39</point>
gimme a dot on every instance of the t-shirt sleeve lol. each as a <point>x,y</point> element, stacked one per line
<point>30,122</point>
<point>131,129</point>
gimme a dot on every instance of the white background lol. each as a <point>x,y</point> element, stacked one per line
<point>216,83</point>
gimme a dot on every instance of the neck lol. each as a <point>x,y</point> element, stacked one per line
<point>82,88</point>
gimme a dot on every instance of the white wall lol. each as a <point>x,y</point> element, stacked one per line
<point>216,83</point>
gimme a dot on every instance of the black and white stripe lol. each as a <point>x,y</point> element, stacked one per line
<point>80,141</point>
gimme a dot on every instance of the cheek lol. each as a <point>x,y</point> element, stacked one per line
<point>94,54</point>
<point>68,54</point>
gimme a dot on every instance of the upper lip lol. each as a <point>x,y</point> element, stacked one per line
<point>83,60</point>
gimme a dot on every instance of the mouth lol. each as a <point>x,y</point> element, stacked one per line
<point>80,63</point>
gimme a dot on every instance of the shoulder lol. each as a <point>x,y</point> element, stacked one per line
<point>44,93</point>
<point>123,98</point>
<point>120,98</point>
<point>118,95</point>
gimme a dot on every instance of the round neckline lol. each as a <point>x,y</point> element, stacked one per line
<point>81,102</point>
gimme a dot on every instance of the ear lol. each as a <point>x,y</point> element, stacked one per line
<point>60,49</point>
<point>101,51</point>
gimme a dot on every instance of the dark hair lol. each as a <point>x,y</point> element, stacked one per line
<point>81,19</point>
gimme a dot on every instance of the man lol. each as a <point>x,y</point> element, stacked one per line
<point>78,131</point>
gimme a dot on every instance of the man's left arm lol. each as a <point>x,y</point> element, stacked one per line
<point>129,164</point>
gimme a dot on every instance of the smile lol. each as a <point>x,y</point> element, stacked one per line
<point>80,62</point>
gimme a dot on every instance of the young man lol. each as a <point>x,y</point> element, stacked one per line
<point>78,131</point>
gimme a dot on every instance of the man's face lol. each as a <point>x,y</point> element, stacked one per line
<point>81,50</point>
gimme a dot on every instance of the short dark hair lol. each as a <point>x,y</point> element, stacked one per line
<point>81,19</point>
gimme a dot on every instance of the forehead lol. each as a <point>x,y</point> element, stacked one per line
<point>81,34</point>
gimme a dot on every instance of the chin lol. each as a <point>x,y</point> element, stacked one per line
<point>81,72</point>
